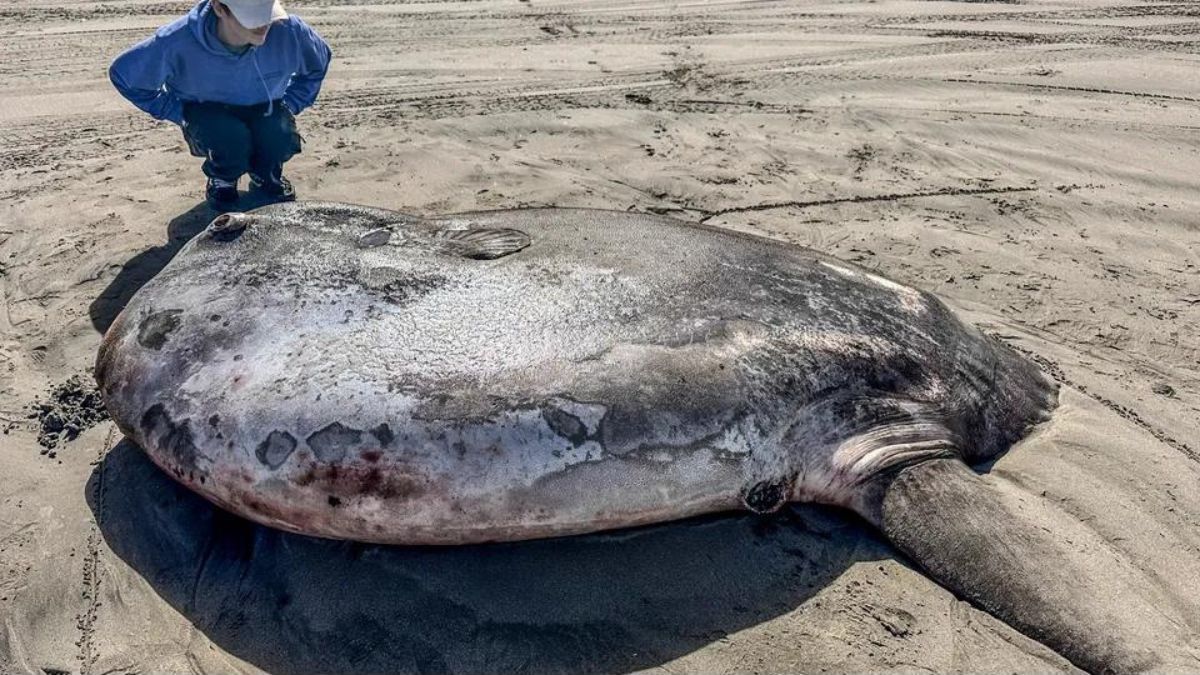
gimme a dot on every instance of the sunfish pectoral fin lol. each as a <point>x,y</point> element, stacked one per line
<point>486,243</point>
<point>957,526</point>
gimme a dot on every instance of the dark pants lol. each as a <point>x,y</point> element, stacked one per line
<point>236,139</point>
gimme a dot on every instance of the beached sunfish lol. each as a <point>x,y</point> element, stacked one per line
<point>358,373</point>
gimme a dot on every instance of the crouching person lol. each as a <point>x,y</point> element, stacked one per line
<point>232,74</point>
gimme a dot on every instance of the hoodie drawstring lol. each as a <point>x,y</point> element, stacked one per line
<point>270,102</point>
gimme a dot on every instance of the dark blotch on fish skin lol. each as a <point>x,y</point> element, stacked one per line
<point>623,427</point>
<point>383,434</point>
<point>406,289</point>
<point>330,444</point>
<point>767,496</point>
<point>154,329</point>
<point>369,480</point>
<point>334,501</point>
<point>566,425</point>
<point>172,438</point>
<point>377,483</point>
<point>275,448</point>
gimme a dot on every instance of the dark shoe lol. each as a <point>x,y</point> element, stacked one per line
<point>221,195</point>
<point>280,191</point>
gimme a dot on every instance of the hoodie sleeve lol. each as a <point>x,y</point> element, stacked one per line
<point>140,75</point>
<point>314,62</point>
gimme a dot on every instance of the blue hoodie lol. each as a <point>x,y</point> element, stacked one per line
<point>185,61</point>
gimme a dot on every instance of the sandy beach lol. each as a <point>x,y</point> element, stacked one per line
<point>1035,163</point>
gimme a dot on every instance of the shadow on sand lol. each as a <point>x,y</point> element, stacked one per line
<point>145,265</point>
<point>610,602</point>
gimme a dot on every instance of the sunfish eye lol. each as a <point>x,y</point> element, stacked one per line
<point>229,226</point>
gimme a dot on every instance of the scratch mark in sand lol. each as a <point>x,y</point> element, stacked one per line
<point>951,192</point>
<point>86,620</point>
<point>1087,90</point>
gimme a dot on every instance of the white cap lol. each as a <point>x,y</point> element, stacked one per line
<point>255,13</point>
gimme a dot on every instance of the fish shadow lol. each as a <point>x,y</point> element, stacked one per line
<point>616,601</point>
<point>146,265</point>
